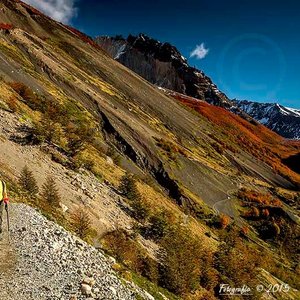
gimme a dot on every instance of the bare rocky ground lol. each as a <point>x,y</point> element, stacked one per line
<point>76,189</point>
<point>43,261</point>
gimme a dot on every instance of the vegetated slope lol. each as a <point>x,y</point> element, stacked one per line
<point>253,137</point>
<point>71,103</point>
<point>160,137</point>
<point>285,121</point>
<point>127,112</point>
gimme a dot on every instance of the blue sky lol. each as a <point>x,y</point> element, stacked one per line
<point>253,45</point>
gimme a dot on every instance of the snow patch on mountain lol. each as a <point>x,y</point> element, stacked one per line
<point>288,111</point>
<point>283,120</point>
<point>120,51</point>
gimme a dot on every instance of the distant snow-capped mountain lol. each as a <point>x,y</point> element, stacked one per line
<point>283,120</point>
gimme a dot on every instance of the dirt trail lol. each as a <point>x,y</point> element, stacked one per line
<point>7,259</point>
<point>7,253</point>
<point>44,261</point>
<point>225,206</point>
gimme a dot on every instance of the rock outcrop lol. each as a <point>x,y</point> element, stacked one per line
<point>163,65</point>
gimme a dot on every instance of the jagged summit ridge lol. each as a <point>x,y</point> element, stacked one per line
<point>163,65</point>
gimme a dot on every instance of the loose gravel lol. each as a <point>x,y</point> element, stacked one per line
<point>47,262</point>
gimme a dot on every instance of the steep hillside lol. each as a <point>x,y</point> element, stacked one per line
<point>257,140</point>
<point>285,121</point>
<point>163,65</point>
<point>154,178</point>
<point>135,118</point>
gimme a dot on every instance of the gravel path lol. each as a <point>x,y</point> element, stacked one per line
<point>50,263</point>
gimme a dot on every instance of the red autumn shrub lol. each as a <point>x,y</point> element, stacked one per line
<point>31,10</point>
<point>5,26</point>
<point>224,221</point>
<point>259,198</point>
<point>245,230</point>
<point>84,37</point>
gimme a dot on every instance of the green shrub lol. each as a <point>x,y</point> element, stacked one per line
<point>128,188</point>
<point>158,226</point>
<point>59,158</point>
<point>81,223</point>
<point>114,155</point>
<point>47,131</point>
<point>86,163</point>
<point>237,262</point>
<point>128,251</point>
<point>181,262</point>
<point>78,135</point>
<point>140,209</point>
<point>121,244</point>
<point>28,182</point>
<point>50,192</point>
<point>150,269</point>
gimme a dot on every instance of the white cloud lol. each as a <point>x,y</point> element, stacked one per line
<point>199,52</point>
<point>59,10</point>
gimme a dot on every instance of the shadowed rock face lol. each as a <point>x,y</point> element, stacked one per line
<point>162,64</point>
<point>293,162</point>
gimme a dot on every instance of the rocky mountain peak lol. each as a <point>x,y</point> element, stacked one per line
<point>162,51</point>
<point>163,65</point>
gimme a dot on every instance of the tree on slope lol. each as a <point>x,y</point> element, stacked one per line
<point>50,191</point>
<point>128,187</point>
<point>81,223</point>
<point>28,182</point>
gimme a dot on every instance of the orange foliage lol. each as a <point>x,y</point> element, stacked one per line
<point>23,90</point>
<point>252,137</point>
<point>12,104</point>
<point>245,230</point>
<point>252,212</point>
<point>265,212</point>
<point>259,198</point>
<point>5,26</point>
<point>224,221</point>
<point>84,37</point>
